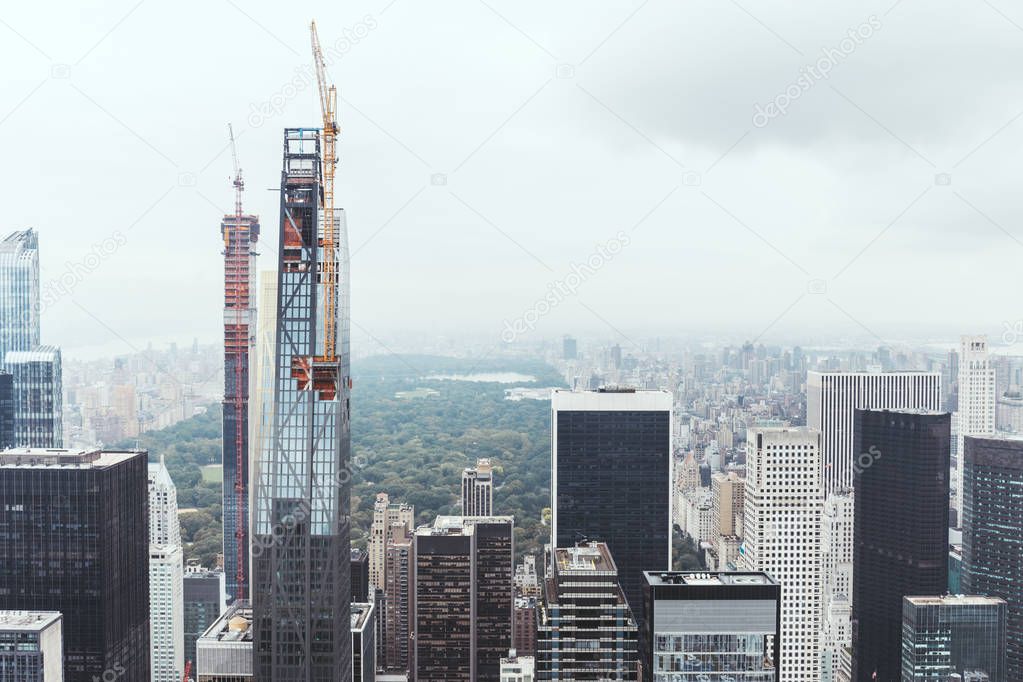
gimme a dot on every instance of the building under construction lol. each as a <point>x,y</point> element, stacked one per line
<point>301,537</point>
<point>240,233</point>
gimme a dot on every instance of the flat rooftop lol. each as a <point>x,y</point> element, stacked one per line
<point>28,620</point>
<point>459,525</point>
<point>955,600</point>
<point>723,578</point>
<point>590,557</point>
<point>234,626</point>
<point>360,614</point>
<point>42,458</point>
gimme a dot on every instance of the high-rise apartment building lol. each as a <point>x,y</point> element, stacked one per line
<point>385,515</point>
<point>166,579</point>
<point>977,404</point>
<point>478,489</point>
<point>240,233</point>
<point>948,635</point>
<point>31,646</point>
<point>303,477</point>
<point>585,628</point>
<point>900,544</point>
<point>993,532</point>
<point>782,536</point>
<point>612,480</point>
<point>831,398</point>
<point>527,580</point>
<point>711,627</point>
<point>524,635</point>
<point>38,400</point>
<point>462,598</point>
<point>74,527</point>
<point>729,492</point>
<point>224,652</point>
<point>19,292</point>
<point>837,574</point>
<point>397,601</point>
<point>204,596</point>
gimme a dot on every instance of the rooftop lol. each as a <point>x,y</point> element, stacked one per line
<point>955,600</point>
<point>723,578</point>
<point>28,620</point>
<point>459,525</point>
<point>37,354</point>
<point>43,458</point>
<point>588,557</point>
<point>360,615</point>
<point>234,626</point>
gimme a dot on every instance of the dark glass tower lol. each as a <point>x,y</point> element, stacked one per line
<point>6,410</point>
<point>953,635</point>
<point>301,549</point>
<point>74,538</point>
<point>38,415</point>
<point>993,532</point>
<point>203,595</point>
<point>900,537</point>
<point>611,479</point>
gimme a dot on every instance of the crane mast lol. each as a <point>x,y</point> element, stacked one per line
<point>328,107</point>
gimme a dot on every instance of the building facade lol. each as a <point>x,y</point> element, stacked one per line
<point>977,406</point>
<point>301,547</point>
<point>204,595</point>
<point>831,398</point>
<point>900,532</point>
<point>993,532</point>
<point>166,579</point>
<point>612,479</point>
<point>224,652</point>
<point>585,628</point>
<point>478,489</point>
<point>397,601</point>
<point>31,646</point>
<point>837,574</point>
<point>782,536</point>
<point>7,424</point>
<point>462,598</point>
<point>953,635</point>
<point>385,515</point>
<point>74,531</point>
<point>712,627</point>
<point>240,233</point>
<point>364,648</point>
<point>38,397</point>
<point>19,292</point>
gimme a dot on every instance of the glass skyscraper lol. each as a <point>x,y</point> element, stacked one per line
<point>38,400</point>
<point>948,635</point>
<point>611,479</point>
<point>19,292</point>
<point>993,531</point>
<point>301,548</point>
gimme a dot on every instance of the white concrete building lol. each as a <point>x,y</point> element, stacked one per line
<point>832,398</point>
<point>31,646</point>
<point>977,403</point>
<point>836,572</point>
<point>782,536</point>
<point>166,576</point>
<point>518,668</point>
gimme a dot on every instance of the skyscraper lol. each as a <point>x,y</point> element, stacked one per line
<point>166,579</point>
<point>585,628</point>
<point>949,635</point>
<point>831,398</point>
<point>900,529</point>
<point>19,292</point>
<point>7,423</point>
<point>360,575</point>
<point>993,532</point>
<point>363,642</point>
<point>385,515</point>
<point>224,652</point>
<point>303,481</point>
<point>782,536</point>
<point>463,600</point>
<point>240,233</point>
<point>611,478</point>
<point>396,606</point>
<point>38,400</point>
<point>977,403</point>
<point>75,540</point>
<point>31,646</point>
<point>837,574</point>
<point>710,627</point>
<point>478,489</point>
<point>205,593</point>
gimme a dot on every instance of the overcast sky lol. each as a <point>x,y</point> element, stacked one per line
<point>489,147</point>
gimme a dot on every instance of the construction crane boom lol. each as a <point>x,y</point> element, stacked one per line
<point>328,107</point>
